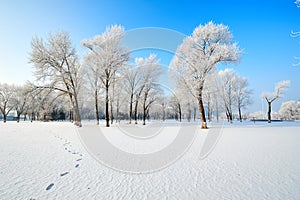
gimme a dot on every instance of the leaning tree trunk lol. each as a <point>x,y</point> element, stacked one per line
<point>269,111</point>
<point>135,110</point>
<point>240,114</point>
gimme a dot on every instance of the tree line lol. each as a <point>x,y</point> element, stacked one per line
<point>105,84</point>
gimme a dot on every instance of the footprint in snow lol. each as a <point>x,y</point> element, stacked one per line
<point>63,174</point>
<point>76,166</point>
<point>50,186</point>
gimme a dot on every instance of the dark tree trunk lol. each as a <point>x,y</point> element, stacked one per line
<point>18,117</point>
<point>96,107</point>
<point>118,114</point>
<point>208,111</point>
<point>240,114</point>
<point>107,103</point>
<point>4,118</point>
<point>130,108</point>
<point>179,112</point>
<point>201,110</point>
<point>135,110</point>
<point>195,110</point>
<point>111,112</point>
<point>269,111</point>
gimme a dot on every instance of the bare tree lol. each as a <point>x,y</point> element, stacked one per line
<point>109,56</point>
<point>7,99</point>
<point>278,93</point>
<point>198,56</point>
<point>57,67</point>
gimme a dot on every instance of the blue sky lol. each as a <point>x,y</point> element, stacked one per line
<point>262,29</point>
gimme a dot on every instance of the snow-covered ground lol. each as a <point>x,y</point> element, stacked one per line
<point>250,161</point>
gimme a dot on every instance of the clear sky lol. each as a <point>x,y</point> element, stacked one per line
<point>261,27</point>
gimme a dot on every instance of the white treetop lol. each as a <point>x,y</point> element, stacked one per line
<point>108,56</point>
<point>279,90</point>
<point>57,67</point>
<point>198,56</point>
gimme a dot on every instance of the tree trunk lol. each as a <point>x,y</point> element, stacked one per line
<point>195,110</point>
<point>269,111</point>
<point>96,107</point>
<point>179,112</point>
<point>4,118</point>
<point>76,112</point>
<point>130,108</point>
<point>118,114</point>
<point>111,112</point>
<point>208,111</point>
<point>201,110</point>
<point>18,117</point>
<point>106,103</point>
<point>240,114</point>
<point>135,110</point>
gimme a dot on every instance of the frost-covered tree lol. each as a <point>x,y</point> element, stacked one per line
<point>7,99</point>
<point>109,56</point>
<point>132,78</point>
<point>226,83</point>
<point>280,88</point>
<point>176,107</point>
<point>290,110</point>
<point>149,69</point>
<point>242,94</point>
<point>21,97</point>
<point>57,68</point>
<point>93,83</point>
<point>199,55</point>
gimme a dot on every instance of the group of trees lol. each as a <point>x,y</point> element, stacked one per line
<point>27,101</point>
<point>106,84</point>
<point>106,76</point>
<point>290,110</point>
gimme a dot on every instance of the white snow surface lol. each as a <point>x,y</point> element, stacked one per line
<point>46,160</point>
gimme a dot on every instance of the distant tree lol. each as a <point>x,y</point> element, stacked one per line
<point>132,79</point>
<point>7,99</point>
<point>278,93</point>
<point>290,110</point>
<point>93,81</point>
<point>21,97</point>
<point>242,94</point>
<point>149,69</point>
<point>175,104</point>
<point>109,56</point>
<point>57,68</point>
<point>226,84</point>
<point>198,56</point>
